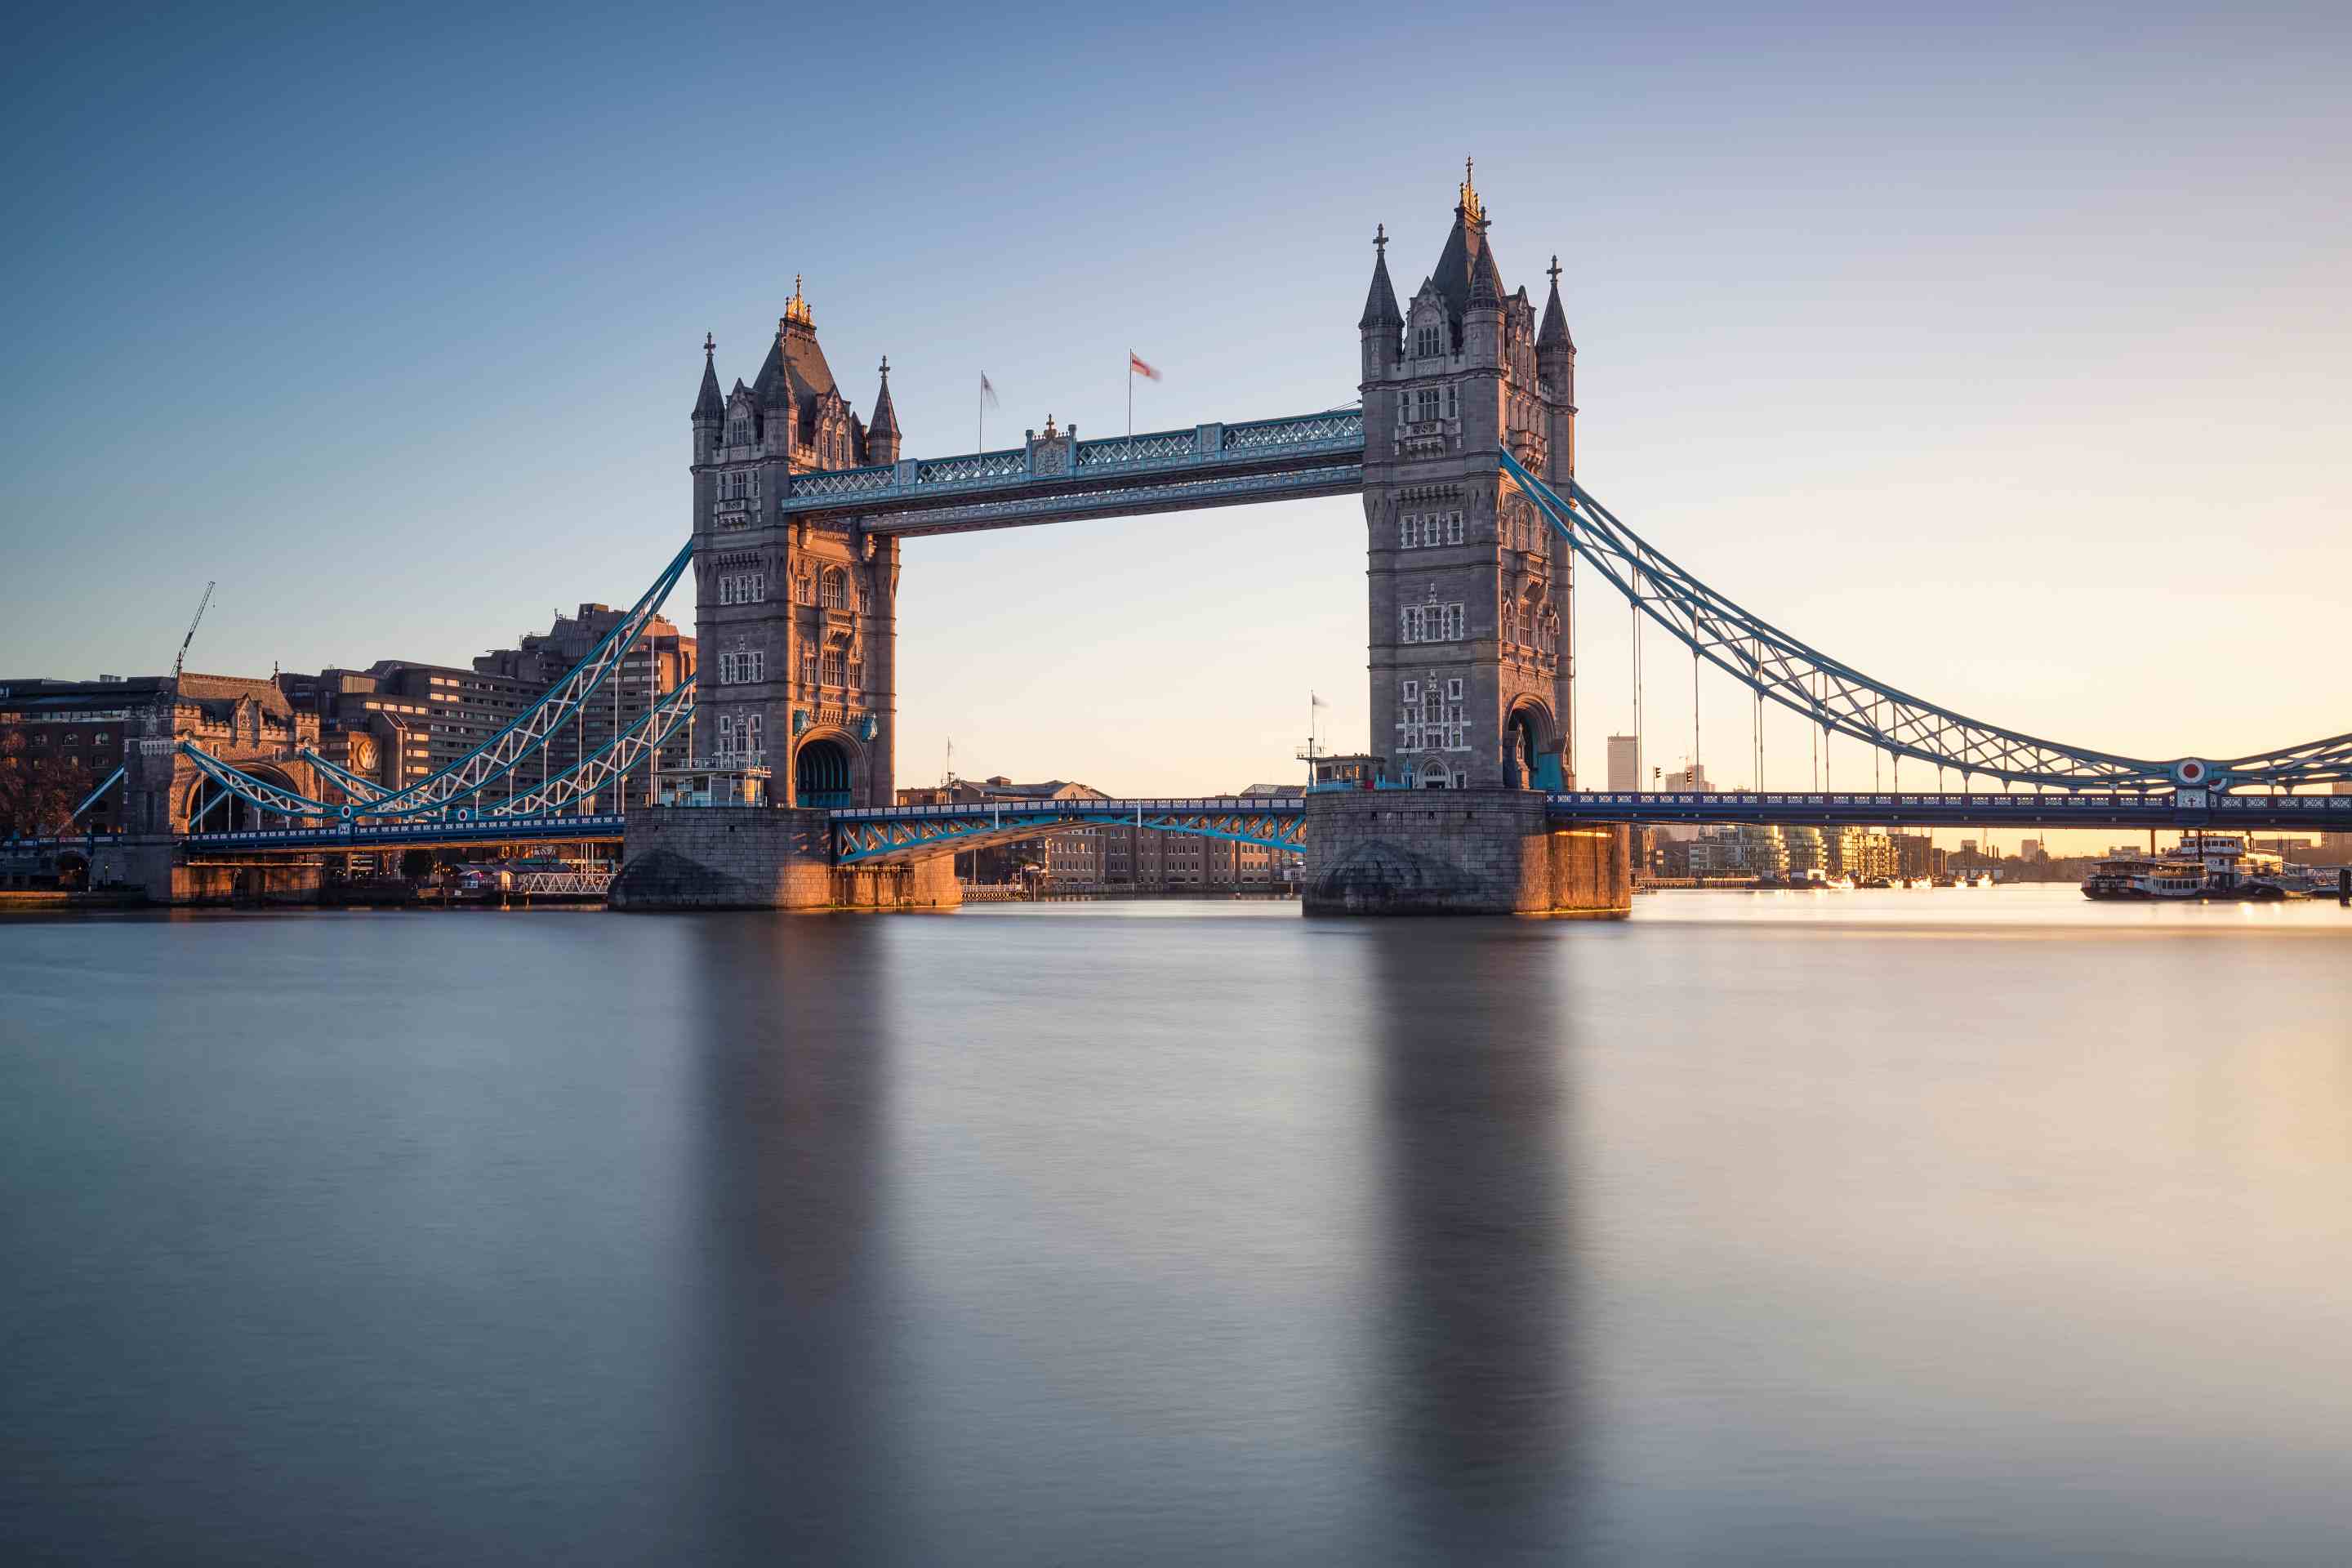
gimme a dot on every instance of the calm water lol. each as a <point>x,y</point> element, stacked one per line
<point>1929,1227</point>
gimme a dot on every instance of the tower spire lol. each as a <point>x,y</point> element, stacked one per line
<point>1381,300</point>
<point>707,404</point>
<point>1553,334</point>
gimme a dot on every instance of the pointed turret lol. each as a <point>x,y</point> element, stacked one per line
<point>1381,300</point>
<point>882,434</point>
<point>709,407</point>
<point>1553,336</point>
<point>1485,282</point>
<point>707,404</point>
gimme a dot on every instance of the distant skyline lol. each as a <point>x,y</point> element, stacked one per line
<point>1998,355</point>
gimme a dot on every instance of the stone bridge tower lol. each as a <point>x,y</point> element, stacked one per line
<point>796,619</point>
<point>1470,676</point>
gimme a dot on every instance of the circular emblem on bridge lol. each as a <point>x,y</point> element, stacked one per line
<point>465,814</point>
<point>2192,770</point>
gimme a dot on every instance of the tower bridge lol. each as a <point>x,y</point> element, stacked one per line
<point>1462,445</point>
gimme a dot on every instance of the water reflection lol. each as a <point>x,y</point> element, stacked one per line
<point>796,1052</point>
<point>1484,1415</point>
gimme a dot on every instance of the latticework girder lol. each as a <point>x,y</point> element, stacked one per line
<point>1844,701</point>
<point>460,785</point>
<point>907,833</point>
<point>595,773</point>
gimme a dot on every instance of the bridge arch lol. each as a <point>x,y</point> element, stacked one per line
<point>1529,733</point>
<point>829,769</point>
<point>209,807</point>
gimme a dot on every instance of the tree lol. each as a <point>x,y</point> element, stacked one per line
<point>38,786</point>
<point>416,863</point>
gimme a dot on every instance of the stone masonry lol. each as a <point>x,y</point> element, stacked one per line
<point>1468,638</point>
<point>1472,852</point>
<point>795,621</point>
<point>761,857</point>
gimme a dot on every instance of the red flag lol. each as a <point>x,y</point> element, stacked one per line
<point>1137,367</point>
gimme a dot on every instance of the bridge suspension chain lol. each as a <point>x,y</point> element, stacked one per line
<point>1843,702</point>
<point>465,779</point>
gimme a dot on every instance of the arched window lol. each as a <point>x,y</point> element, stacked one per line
<point>833,589</point>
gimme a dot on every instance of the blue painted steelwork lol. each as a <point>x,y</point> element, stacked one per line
<point>597,827</point>
<point>1308,453</point>
<point>1084,499</point>
<point>1845,701</point>
<point>915,832</point>
<point>2100,808</point>
<point>464,779</point>
<point>589,776</point>
<point>353,784</point>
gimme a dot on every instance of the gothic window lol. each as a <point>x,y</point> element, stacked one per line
<point>834,592</point>
<point>865,600</point>
<point>1431,623</point>
<point>857,673</point>
<point>1453,528</point>
<point>755,588</point>
<point>1426,400</point>
<point>808,667</point>
<point>739,432</point>
<point>747,732</point>
<point>832,668</point>
<point>1408,532</point>
<point>1510,621</point>
<point>1452,402</point>
<point>1453,691</point>
<point>1425,340</point>
<point>1413,691</point>
<point>726,734</point>
<point>805,591</point>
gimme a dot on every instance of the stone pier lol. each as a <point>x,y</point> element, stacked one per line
<point>158,866</point>
<point>761,857</point>
<point>1460,852</point>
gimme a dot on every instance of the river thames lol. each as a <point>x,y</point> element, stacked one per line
<point>1950,1226</point>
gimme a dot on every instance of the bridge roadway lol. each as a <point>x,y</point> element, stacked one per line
<point>881,834</point>
<point>911,832</point>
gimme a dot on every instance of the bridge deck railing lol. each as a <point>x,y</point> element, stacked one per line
<point>1335,432</point>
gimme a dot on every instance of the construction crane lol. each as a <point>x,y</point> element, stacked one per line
<point>193,624</point>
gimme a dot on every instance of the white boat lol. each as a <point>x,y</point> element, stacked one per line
<point>2204,869</point>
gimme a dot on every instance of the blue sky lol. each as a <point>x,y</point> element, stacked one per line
<point>1997,353</point>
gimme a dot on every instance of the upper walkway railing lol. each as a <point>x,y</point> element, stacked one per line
<point>1059,476</point>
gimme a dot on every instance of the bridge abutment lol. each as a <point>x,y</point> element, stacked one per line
<point>1460,852</point>
<point>761,857</point>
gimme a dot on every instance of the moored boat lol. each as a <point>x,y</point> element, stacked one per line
<point>2206,869</point>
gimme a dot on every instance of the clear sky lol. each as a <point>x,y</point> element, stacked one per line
<point>1997,353</point>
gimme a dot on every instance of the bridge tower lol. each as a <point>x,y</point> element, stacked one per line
<point>1470,675</point>
<point>796,617</point>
